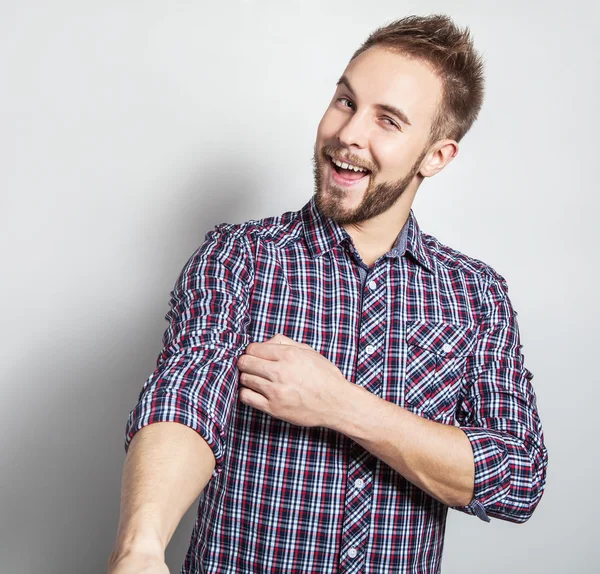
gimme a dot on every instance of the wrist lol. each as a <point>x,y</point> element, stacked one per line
<point>143,557</point>
<point>346,411</point>
<point>148,543</point>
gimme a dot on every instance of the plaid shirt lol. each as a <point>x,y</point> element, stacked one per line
<point>425,327</point>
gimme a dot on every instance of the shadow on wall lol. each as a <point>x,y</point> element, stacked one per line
<point>65,474</point>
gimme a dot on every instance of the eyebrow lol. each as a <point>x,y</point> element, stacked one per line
<point>385,107</point>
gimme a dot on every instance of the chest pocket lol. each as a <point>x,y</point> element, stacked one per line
<point>435,364</point>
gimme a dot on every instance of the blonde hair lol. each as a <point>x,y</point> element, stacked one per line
<point>449,51</point>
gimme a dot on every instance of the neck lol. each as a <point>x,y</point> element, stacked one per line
<point>375,237</point>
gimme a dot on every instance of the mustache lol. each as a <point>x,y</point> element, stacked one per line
<point>342,154</point>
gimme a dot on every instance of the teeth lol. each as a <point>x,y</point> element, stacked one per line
<point>344,165</point>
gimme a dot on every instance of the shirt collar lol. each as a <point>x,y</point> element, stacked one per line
<point>323,234</point>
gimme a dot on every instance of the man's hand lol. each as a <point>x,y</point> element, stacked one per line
<point>291,381</point>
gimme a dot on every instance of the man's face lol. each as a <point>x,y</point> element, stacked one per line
<point>379,119</point>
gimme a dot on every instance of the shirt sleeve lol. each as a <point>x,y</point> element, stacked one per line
<point>196,378</point>
<point>498,413</point>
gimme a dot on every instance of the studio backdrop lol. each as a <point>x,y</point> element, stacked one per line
<point>128,130</point>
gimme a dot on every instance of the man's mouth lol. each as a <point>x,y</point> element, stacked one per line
<point>345,173</point>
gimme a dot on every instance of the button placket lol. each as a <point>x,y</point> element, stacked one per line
<point>369,374</point>
<point>373,323</point>
<point>357,511</point>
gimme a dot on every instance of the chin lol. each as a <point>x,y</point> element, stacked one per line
<point>336,207</point>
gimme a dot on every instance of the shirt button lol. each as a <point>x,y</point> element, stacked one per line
<point>359,483</point>
<point>352,552</point>
<point>447,348</point>
<point>370,349</point>
<point>372,285</point>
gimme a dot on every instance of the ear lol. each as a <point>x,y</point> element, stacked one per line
<point>438,157</point>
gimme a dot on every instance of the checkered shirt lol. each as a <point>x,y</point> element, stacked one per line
<point>425,327</point>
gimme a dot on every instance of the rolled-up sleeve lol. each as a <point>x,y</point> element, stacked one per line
<point>196,378</point>
<point>498,413</point>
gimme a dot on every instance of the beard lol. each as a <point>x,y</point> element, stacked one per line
<point>378,197</point>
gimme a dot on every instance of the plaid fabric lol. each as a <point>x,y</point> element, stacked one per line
<point>425,327</point>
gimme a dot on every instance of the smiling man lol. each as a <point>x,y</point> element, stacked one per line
<point>340,378</point>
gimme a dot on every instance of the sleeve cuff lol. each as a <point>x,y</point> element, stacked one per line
<point>170,406</point>
<point>492,471</point>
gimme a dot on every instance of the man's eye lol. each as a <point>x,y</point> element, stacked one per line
<point>342,100</point>
<point>391,123</point>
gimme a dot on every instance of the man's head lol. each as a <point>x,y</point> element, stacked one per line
<point>407,97</point>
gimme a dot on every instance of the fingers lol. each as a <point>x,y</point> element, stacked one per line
<point>270,348</point>
<point>257,384</point>
<point>267,350</point>
<point>254,399</point>
<point>283,340</point>
<point>256,366</point>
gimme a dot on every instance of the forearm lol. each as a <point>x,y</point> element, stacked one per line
<point>166,468</point>
<point>437,458</point>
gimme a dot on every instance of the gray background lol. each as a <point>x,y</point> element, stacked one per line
<point>129,129</point>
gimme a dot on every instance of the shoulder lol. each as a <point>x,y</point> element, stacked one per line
<point>279,230</point>
<point>453,261</point>
<point>458,272</point>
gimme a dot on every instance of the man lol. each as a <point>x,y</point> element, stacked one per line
<point>340,378</point>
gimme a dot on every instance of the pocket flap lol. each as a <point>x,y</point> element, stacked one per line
<point>445,339</point>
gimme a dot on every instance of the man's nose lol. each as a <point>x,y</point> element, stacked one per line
<point>354,132</point>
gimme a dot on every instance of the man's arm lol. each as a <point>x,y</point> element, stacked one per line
<point>498,412</point>
<point>437,458</point>
<point>166,468</point>
<point>496,462</point>
<point>194,384</point>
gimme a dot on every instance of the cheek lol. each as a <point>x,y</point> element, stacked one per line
<point>393,160</point>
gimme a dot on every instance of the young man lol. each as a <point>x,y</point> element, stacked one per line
<point>340,378</point>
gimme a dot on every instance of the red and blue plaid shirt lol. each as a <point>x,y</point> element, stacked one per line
<point>425,327</point>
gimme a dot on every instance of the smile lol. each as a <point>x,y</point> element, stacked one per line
<point>348,166</point>
<point>346,174</point>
